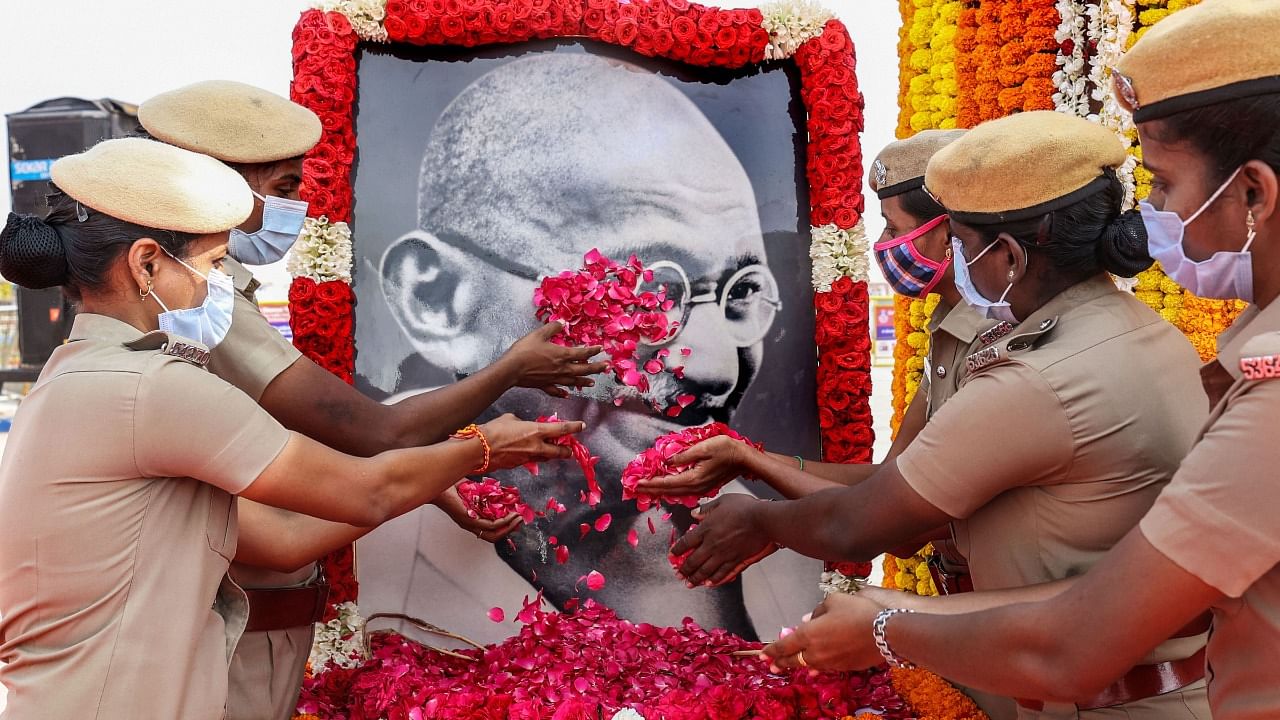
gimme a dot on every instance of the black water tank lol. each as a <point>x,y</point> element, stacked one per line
<point>38,136</point>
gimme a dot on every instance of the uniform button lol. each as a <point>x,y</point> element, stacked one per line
<point>942,372</point>
<point>1015,347</point>
<point>1045,324</point>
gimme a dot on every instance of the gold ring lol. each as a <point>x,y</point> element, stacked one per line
<point>800,659</point>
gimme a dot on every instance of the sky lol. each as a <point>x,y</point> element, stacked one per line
<point>131,51</point>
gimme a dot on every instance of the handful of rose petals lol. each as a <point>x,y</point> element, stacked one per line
<point>602,304</point>
<point>592,495</point>
<point>491,500</point>
<point>656,462</point>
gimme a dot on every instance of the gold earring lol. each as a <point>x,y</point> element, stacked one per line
<point>1010,276</point>
<point>142,295</point>
<point>1249,223</point>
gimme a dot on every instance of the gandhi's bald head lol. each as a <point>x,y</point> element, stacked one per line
<point>549,155</point>
<point>545,158</point>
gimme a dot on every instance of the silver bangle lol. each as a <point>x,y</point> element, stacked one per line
<point>878,627</point>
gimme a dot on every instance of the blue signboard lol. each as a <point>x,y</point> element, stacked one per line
<point>29,170</point>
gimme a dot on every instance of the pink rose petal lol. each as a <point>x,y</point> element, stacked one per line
<point>497,615</point>
<point>602,522</point>
<point>595,581</point>
<point>633,538</point>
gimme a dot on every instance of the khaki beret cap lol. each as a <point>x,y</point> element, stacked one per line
<point>231,121</point>
<point>155,185</point>
<point>1022,166</point>
<point>1216,51</point>
<point>900,165</point>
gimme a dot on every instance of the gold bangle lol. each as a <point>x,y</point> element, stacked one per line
<point>474,431</point>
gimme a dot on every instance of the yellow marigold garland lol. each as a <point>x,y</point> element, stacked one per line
<point>907,9</point>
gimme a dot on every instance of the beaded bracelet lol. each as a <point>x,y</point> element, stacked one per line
<point>473,431</point>
<point>878,627</point>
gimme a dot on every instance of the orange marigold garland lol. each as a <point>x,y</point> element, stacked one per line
<point>967,113</point>
<point>932,697</point>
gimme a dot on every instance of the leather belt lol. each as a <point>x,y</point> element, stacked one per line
<point>949,569</point>
<point>1143,681</point>
<point>284,608</point>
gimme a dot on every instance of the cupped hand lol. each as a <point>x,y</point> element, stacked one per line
<point>488,530</point>
<point>716,461</point>
<point>542,364</point>
<point>726,541</point>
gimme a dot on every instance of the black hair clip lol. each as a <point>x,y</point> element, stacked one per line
<point>81,213</point>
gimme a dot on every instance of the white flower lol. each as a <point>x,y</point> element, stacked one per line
<point>835,582</point>
<point>366,16</point>
<point>1113,20</point>
<point>1072,94</point>
<point>322,252</point>
<point>338,642</point>
<point>790,24</point>
<point>627,714</point>
<point>837,253</point>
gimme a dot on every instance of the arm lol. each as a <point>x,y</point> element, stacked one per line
<point>308,399</point>
<point>309,478</point>
<point>719,460</point>
<point>1046,649</point>
<point>836,524</point>
<point>286,541</point>
<point>965,602</point>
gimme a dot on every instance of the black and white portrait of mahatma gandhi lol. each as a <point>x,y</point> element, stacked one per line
<point>477,175</point>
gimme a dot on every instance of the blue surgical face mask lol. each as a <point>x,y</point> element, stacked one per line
<point>282,220</point>
<point>209,323</point>
<point>1224,276</point>
<point>997,310</point>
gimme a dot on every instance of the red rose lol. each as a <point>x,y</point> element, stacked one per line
<point>629,12</point>
<point>725,703</point>
<point>303,326</point>
<point>678,5</point>
<point>452,26</point>
<point>702,55</point>
<point>726,37</point>
<point>663,40</point>
<point>755,17</point>
<point>820,216</point>
<point>627,30</point>
<point>684,30</point>
<point>576,709</point>
<point>593,18</point>
<point>709,22</point>
<point>834,38</point>
<point>331,291</point>
<point>415,27</point>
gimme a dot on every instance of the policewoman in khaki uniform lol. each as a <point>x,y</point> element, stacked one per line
<point>1062,433</point>
<point>263,137</point>
<point>118,484</point>
<point>1204,86</point>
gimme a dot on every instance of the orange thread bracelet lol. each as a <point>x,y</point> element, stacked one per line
<point>474,431</point>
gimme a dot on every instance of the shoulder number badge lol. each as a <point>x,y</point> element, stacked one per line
<point>193,354</point>
<point>996,332</point>
<point>1264,367</point>
<point>986,356</point>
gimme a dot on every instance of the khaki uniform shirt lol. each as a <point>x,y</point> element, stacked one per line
<point>951,331</point>
<point>253,353</point>
<point>116,499</point>
<point>1219,519</point>
<point>1060,437</point>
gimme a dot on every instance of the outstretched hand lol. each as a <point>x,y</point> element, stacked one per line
<point>836,636</point>
<point>514,442</point>
<point>726,541</point>
<point>542,364</point>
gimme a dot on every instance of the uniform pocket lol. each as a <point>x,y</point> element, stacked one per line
<point>220,526</point>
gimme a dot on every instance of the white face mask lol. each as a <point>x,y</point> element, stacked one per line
<point>282,220</point>
<point>1225,275</point>
<point>209,323</point>
<point>997,310</point>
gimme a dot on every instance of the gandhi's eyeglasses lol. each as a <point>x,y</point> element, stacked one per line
<point>748,300</point>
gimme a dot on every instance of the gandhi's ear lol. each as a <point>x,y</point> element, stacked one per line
<point>420,284</point>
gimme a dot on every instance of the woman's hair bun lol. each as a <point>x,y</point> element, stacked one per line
<point>31,253</point>
<point>1122,250</point>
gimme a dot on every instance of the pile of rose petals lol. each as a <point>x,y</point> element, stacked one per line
<point>601,304</point>
<point>590,664</point>
<point>491,500</point>
<point>656,462</point>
